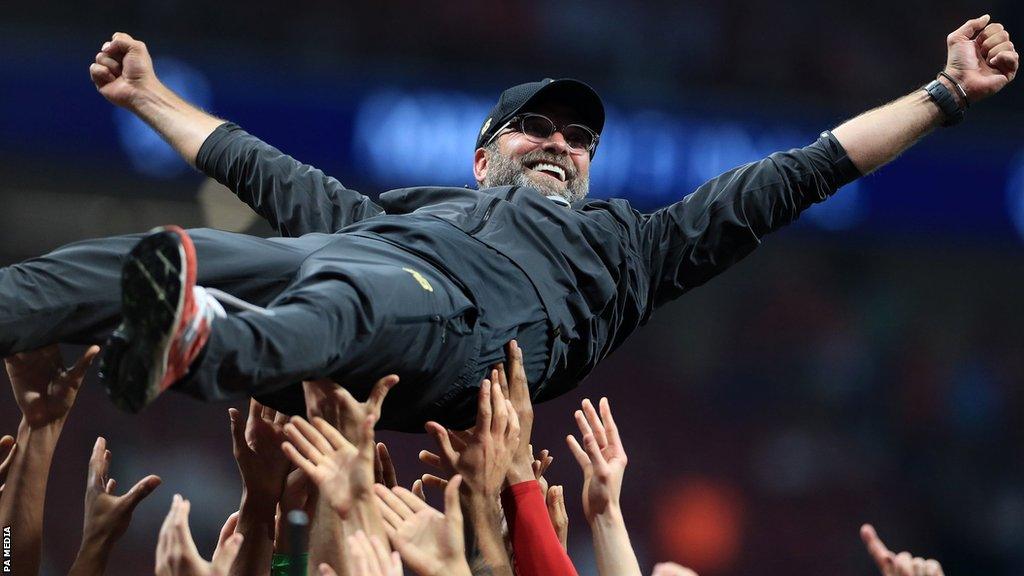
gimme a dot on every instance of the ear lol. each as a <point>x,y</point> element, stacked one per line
<point>480,165</point>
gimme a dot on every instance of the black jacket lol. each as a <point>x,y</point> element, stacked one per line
<point>600,267</point>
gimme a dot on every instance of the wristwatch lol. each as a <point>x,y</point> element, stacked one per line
<point>946,102</point>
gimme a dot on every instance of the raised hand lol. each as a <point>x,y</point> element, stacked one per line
<point>515,388</point>
<point>298,494</point>
<point>123,69</point>
<point>107,515</point>
<point>340,409</point>
<point>483,454</point>
<point>342,471</point>
<point>384,468</point>
<point>981,57</point>
<point>602,459</point>
<point>43,388</point>
<point>671,569</point>
<point>555,500</point>
<point>890,564</point>
<point>7,448</point>
<point>431,543</point>
<point>225,533</point>
<point>176,553</point>
<point>257,449</point>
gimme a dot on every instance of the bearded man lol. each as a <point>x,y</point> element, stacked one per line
<point>429,282</point>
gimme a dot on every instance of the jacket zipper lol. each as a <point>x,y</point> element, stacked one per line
<point>490,209</point>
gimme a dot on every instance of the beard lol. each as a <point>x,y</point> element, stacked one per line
<point>504,170</point>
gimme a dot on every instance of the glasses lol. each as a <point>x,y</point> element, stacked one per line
<point>539,128</point>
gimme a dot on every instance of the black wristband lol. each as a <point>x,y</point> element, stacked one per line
<point>946,102</point>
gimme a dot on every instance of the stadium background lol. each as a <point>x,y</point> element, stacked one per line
<point>864,365</point>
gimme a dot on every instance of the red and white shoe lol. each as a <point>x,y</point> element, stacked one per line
<point>166,320</point>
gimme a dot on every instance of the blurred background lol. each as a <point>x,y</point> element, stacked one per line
<point>864,365</point>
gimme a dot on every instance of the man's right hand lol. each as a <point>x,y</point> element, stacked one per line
<point>123,70</point>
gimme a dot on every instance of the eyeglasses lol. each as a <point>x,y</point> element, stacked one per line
<point>539,128</point>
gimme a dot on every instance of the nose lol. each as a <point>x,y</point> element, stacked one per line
<point>556,144</point>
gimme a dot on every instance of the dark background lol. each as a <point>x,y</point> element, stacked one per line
<point>865,365</point>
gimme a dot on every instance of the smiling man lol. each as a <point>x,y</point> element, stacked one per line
<point>429,282</point>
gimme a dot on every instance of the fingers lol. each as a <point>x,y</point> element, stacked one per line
<point>10,445</point>
<point>970,29</point>
<point>389,477</point>
<point>417,489</point>
<point>440,435</point>
<point>594,453</point>
<point>518,386</point>
<point>379,392</point>
<point>326,570</point>
<point>499,411</point>
<point>335,439</point>
<point>578,452</point>
<point>306,437</point>
<point>595,422</point>
<point>453,505</point>
<point>1004,58</point>
<point>106,61</point>
<point>222,563</point>
<point>142,488</point>
<point>238,444</point>
<point>434,481</point>
<point>415,504</point>
<point>100,75</point>
<point>77,372</point>
<point>430,459</point>
<point>876,549</point>
<point>988,40</point>
<point>227,529</point>
<point>582,423</point>
<point>932,568</point>
<point>483,406</point>
<point>98,464</point>
<point>393,502</point>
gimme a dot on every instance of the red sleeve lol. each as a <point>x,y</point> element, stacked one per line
<point>534,542</point>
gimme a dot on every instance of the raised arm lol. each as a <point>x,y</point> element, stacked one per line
<point>603,461</point>
<point>45,392</point>
<point>691,241</point>
<point>295,198</point>
<point>982,61</point>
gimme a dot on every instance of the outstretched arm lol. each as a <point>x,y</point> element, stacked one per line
<point>688,243</point>
<point>45,392</point>
<point>980,58</point>
<point>294,198</point>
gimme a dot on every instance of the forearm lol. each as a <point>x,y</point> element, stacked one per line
<point>366,516</point>
<point>878,136</point>
<point>181,124</point>
<point>256,523</point>
<point>326,537</point>
<point>612,549</point>
<point>481,513</point>
<point>534,541</point>
<point>92,558</point>
<point>21,508</point>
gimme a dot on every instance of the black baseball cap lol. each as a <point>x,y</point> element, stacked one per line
<point>573,93</point>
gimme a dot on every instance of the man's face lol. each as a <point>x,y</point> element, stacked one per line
<point>547,166</point>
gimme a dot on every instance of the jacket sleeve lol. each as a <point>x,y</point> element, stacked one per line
<point>534,541</point>
<point>688,243</point>
<point>293,197</point>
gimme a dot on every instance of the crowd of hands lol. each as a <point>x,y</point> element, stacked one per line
<point>500,516</point>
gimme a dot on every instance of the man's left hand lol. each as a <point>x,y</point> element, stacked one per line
<point>981,57</point>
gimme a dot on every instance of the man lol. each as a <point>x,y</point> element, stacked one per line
<point>431,282</point>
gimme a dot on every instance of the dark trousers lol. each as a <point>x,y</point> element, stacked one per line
<point>341,306</point>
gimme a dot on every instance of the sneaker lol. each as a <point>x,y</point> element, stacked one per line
<point>166,320</point>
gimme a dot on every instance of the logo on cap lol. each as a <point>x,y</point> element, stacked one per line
<point>487,125</point>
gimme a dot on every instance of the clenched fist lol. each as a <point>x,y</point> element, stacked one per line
<point>123,70</point>
<point>981,57</point>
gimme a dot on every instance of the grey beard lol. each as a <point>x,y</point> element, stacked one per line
<point>502,170</point>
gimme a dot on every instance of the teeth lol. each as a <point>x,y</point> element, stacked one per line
<point>545,167</point>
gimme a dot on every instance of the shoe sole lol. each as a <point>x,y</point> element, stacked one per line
<point>154,287</point>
